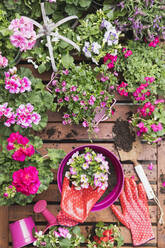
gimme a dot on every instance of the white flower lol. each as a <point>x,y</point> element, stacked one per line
<point>35,243</point>
<point>75,155</point>
<point>85,185</point>
<point>86,51</point>
<point>85,166</point>
<point>69,236</point>
<point>67,174</point>
<point>95,47</point>
<point>84,179</point>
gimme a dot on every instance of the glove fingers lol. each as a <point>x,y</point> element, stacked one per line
<point>134,189</point>
<point>142,195</point>
<point>119,215</point>
<point>127,189</point>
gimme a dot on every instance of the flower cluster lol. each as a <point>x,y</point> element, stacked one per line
<point>106,236</point>
<point>121,89</point>
<point>154,42</point>
<point>111,60</point>
<point>147,109</point>
<point>10,191</point>
<point>88,169</point>
<point>15,84</point>
<point>23,35</point>
<point>126,52</point>
<point>111,36</point>
<point>3,61</point>
<point>26,180</point>
<point>20,145</point>
<point>57,236</point>
<point>142,91</point>
<point>24,116</point>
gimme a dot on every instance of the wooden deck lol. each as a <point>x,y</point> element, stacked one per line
<point>55,135</point>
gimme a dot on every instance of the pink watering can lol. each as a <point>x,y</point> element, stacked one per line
<point>22,232</point>
<point>41,207</point>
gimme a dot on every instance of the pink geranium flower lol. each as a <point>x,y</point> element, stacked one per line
<point>26,180</point>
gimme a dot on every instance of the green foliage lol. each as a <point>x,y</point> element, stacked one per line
<point>106,235</point>
<point>73,238</point>
<point>143,18</point>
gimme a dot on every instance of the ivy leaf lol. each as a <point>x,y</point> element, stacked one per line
<point>56,155</point>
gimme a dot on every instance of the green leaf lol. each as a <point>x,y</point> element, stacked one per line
<point>85,3</point>
<point>67,60</point>
<point>41,68</point>
<point>65,243</point>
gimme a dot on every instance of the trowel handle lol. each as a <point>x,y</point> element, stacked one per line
<point>145,182</point>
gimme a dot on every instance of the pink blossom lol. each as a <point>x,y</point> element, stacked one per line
<point>150,79</point>
<point>64,232</point>
<point>92,100</point>
<point>85,124</point>
<point>159,101</point>
<point>103,104</point>
<point>150,166</point>
<point>19,155</point>
<point>26,180</point>
<point>64,122</point>
<point>29,151</point>
<point>143,129</point>
<point>57,90</point>
<point>82,103</point>
<point>65,72</point>
<point>121,89</point>
<point>103,78</point>
<point>66,98</point>
<point>128,53</point>
<point>75,98</point>
<point>157,140</point>
<point>154,42</point>
<point>63,83</point>
<point>66,116</point>
<point>56,234</point>
<point>147,109</point>
<point>163,184</point>
<point>73,88</point>
<point>3,61</point>
<point>102,92</point>
<point>157,128</point>
<point>23,35</point>
<point>60,100</point>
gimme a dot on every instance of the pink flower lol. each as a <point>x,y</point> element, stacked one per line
<point>154,42</point>
<point>26,180</point>
<point>163,184</point>
<point>60,100</point>
<point>159,101</point>
<point>75,98</point>
<point>66,116</point>
<point>82,103</point>
<point>143,129</point>
<point>121,89</point>
<point>66,72</point>
<point>29,151</point>
<point>73,88</point>
<point>23,35</point>
<point>150,166</point>
<point>57,90</point>
<point>19,155</point>
<point>63,83</point>
<point>157,140</point>
<point>92,100</point>
<point>103,78</point>
<point>157,128</point>
<point>3,61</point>
<point>128,53</point>
<point>103,104</point>
<point>85,124</point>
<point>64,232</point>
<point>66,98</point>
<point>147,109</point>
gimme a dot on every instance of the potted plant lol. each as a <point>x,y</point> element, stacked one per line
<point>59,237</point>
<point>105,236</point>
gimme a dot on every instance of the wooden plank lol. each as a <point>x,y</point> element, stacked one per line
<point>161,191</point>
<point>121,111</point>
<point>105,215</point>
<point>148,153</point>
<point>4,230</point>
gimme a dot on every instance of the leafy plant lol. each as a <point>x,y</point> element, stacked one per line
<point>60,237</point>
<point>83,92</point>
<point>105,236</point>
<point>144,18</point>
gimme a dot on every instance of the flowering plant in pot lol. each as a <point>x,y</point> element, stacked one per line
<point>105,236</point>
<point>24,172</point>
<point>59,237</point>
<point>83,91</point>
<point>144,18</point>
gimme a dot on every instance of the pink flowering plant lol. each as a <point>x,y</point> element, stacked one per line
<point>59,237</point>
<point>143,73</point>
<point>25,173</point>
<point>23,101</point>
<point>83,92</point>
<point>88,169</point>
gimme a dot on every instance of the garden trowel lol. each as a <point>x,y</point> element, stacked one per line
<point>133,155</point>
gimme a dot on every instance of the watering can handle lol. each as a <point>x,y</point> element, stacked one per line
<point>145,182</point>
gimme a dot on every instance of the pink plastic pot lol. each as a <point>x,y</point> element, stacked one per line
<point>114,194</point>
<point>21,232</point>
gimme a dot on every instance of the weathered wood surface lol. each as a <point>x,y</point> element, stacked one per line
<point>55,135</point>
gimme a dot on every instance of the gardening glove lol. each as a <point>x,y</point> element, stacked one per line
<point>76,204</point>
<point>135,212</point>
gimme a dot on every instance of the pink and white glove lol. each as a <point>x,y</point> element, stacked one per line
<point>135,212</point>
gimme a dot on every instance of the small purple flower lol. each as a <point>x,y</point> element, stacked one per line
<point>64,232</point>
<point>103,104</point>
<point>73,171</point>
<point>82,103</point>
<point>63,83</point>
<point>73,88</point>
<point>85,185</point>
<point>102,92</point>
<point>56,234</point>
<point>104,186</point>
<point>88,156</point>
<point>57,90</point>
<point>75,155</point>
<point>92,100</point>
<point>66,116</point>
<point>86,51</point>
<point>60,100</point>
<point>75,98</point>
<point>104,166</point>
<point>103,78</point>
<point>97,182</point>
<point>95,47</point>
<point>64,123</point>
